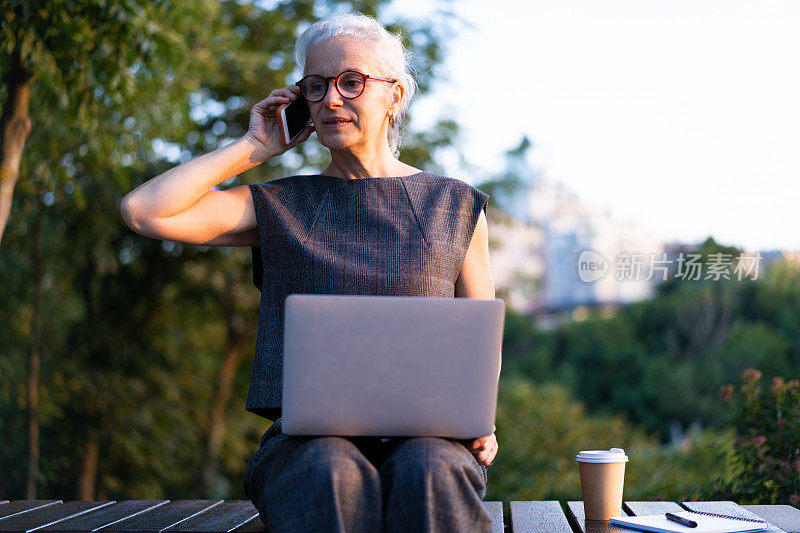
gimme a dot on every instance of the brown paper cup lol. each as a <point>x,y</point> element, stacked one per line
<point>601,484</point>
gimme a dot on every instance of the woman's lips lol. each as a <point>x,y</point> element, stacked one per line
<point>336,125</point>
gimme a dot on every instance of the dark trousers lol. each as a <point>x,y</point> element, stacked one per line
<point>357,484</point>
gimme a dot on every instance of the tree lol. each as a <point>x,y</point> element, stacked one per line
<point>89,58</point>
<point>133,328</point>
<point>85,62</point>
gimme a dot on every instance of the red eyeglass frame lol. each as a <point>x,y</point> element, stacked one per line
<point>364,78</point>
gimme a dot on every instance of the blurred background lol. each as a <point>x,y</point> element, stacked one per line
<point>641,165</point>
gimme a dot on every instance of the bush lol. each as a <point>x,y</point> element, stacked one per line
<point>541,427</point>
<point>767,447</point>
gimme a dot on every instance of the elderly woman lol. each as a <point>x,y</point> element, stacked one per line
<point>367,224</point>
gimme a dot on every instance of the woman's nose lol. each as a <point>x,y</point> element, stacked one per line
<point>332,96</point>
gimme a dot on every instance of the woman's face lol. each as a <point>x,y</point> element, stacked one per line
<point>368,114</point>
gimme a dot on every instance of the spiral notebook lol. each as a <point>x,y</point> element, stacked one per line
<point>706,523</point>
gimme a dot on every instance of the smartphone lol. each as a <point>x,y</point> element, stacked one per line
<point>293,118</point>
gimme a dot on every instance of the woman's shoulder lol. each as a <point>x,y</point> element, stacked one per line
<point>444,185</point>
<point>289,188</point>
<point>432,177</point>
<point>424,183</point>
<point>292,181</point>
<point>440,197</point>
<point>290,193</point>
<point>428,175</point>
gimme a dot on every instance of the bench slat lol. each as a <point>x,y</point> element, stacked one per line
<point>728,508</point>
<point>240,515</point>
<point>23,506</point>
<point>254,526</point>
<point>224,517</point>
<point>47,515</point>
<point>785,517</point>
<point>105,516</point>
<point>495,510</point>
<point>164,516</point>
<point>592,526</point>
<point>538,517</point>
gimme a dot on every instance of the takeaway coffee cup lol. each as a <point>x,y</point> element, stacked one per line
<point>602,475</point>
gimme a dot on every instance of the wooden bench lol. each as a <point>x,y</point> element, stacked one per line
<point>240,515</point>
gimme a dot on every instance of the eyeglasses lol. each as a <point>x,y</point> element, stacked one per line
<point>349,83</point>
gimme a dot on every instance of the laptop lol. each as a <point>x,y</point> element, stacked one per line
<point>391,366</point>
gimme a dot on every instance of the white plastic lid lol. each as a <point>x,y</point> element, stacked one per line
<point>614,455</point>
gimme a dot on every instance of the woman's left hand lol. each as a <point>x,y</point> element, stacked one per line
<point>484,449</point>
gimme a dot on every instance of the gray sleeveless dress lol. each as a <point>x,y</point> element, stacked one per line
<point>319,234</point>
<point>392,236</point>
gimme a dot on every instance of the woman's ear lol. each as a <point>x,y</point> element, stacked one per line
<point>397,98</point>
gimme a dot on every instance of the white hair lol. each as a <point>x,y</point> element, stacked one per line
<point>388,47</point>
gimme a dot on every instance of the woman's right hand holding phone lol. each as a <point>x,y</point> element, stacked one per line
<point>264,131</point>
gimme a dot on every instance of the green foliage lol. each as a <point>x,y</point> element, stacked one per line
<point>710,252</point>
<point>135,329</point>
<point>93,55</point>
<point>541,427</point>
<point>766,452</point>
<point>661,361</point>
<point>656,362</point>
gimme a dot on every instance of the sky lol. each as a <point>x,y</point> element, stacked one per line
<point>680,116</point>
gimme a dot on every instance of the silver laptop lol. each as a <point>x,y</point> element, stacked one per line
<point>391,366</point>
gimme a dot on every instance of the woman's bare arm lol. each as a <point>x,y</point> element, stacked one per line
<point>475,281</point>
<point>179,188</point>
<point>181,205</point>
<point>475,278</point>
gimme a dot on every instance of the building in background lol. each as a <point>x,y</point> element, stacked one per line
<point>541,233</point>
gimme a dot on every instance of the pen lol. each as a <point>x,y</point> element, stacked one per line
<point>681,520</point>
